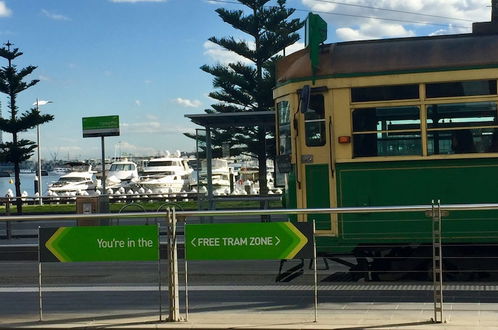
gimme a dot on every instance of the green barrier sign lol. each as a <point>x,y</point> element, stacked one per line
<point>102,243</point>
<point>100,126</point>
<point>246,241</point>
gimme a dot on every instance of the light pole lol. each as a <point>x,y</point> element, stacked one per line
<point>38,103</point>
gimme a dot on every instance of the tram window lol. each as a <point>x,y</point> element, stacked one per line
<point>462,141</point>
<point>384,93</point>
<point>461,115</point>
<point>462,128</point>
<point>386,131</point>
<point>387,144</point>
<point>314,121</point>
<point>386,118</point>
<point>461,88</point>
<point>284,137</point>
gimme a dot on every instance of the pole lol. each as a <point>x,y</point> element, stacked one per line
<point>174,308</point>
<point>159,272</point>
<point>209,169</point>
<point>315,275</point>
<point>40,201</point>
<point>40,300</point>
<point>103,165</point>
<point>186,269</point>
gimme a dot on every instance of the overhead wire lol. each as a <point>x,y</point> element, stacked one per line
<point>392,10</point>
<point>364,16</point>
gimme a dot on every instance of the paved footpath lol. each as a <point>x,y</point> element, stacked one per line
<point>362,316</point>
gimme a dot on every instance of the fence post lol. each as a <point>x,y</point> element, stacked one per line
<point>437,262</point>
<point>174,301</point>
<point>8,229</point>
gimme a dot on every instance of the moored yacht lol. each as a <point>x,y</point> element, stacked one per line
<point>122,173</point>
<point>61,170</point>
<point>220,174</point>
<point>167,174</point>
<point>81,178</point>
<point>248,177</point>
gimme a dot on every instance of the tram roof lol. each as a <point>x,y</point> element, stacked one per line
<point>383,56</point>
<point>234,119</point>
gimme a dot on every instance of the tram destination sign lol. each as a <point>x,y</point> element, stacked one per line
<point>249,241</point>
<point>100,126</point>
<point>102,243</point>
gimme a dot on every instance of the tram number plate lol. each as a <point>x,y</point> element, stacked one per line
<point>307,159</point>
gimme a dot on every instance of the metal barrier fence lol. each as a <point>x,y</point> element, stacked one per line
<point>435,211</point>
<point>10,202</point>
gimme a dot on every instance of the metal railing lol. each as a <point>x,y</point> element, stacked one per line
<point>182,196</point>
<point>434,211</point>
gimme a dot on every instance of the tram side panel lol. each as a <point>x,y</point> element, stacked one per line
<point>417,183</point>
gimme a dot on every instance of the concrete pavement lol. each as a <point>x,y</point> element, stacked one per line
<point>342,316</point>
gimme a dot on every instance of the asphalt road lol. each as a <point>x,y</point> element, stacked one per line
<point>113,289</point>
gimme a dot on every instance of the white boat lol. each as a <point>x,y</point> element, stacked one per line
<point>220,176</point>
<point>122,173</point>
<point>81,178</point>
<point>61,170</point>
<point>248,177</point>
<point>168,174</point>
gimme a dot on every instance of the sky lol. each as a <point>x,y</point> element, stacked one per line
<point>141,59</point>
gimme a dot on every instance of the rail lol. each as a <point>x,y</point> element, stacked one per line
<point>338,210</point>
<point>434,211</point>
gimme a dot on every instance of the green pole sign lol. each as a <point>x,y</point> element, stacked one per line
<point>102,243</point>
<point>245,241</point>
<point>100,126</point>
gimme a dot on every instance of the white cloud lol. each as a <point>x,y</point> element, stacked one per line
<point>126,147</point>
<point>293,48</point>
<point>4,11</point>
<point>144,127</point>
<point>373,29</point>
<point>449,16</point>
<point>152,117</point>
<point>151,127</point>
<point>55,16</point>
<point>449,30</point>
<point>135,1</point>
<point>44,78</point>
<point>138,103</point>
<point>69,149</point>
<point>187,103</point>
<point>221,55</point>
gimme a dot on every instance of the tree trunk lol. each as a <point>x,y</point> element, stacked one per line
<point>18,188</point>
<point>262,170</point>
<point>263,183</point>
<point>17,179</point>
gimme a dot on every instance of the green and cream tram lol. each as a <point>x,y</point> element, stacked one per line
<point>392,122</point>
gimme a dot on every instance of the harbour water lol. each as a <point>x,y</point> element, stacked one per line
<point>27,183</point>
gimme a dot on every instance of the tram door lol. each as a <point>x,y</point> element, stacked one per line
<point>314,157</point>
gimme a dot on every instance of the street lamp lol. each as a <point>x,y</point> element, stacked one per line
<point>38,103</point>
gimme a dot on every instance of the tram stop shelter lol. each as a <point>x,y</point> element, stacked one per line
<point>264,119</point>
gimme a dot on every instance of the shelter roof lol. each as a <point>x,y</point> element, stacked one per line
<point>234,119</point>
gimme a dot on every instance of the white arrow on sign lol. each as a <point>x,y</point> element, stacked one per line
<point>193,242</point>
<point>278,240</point>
